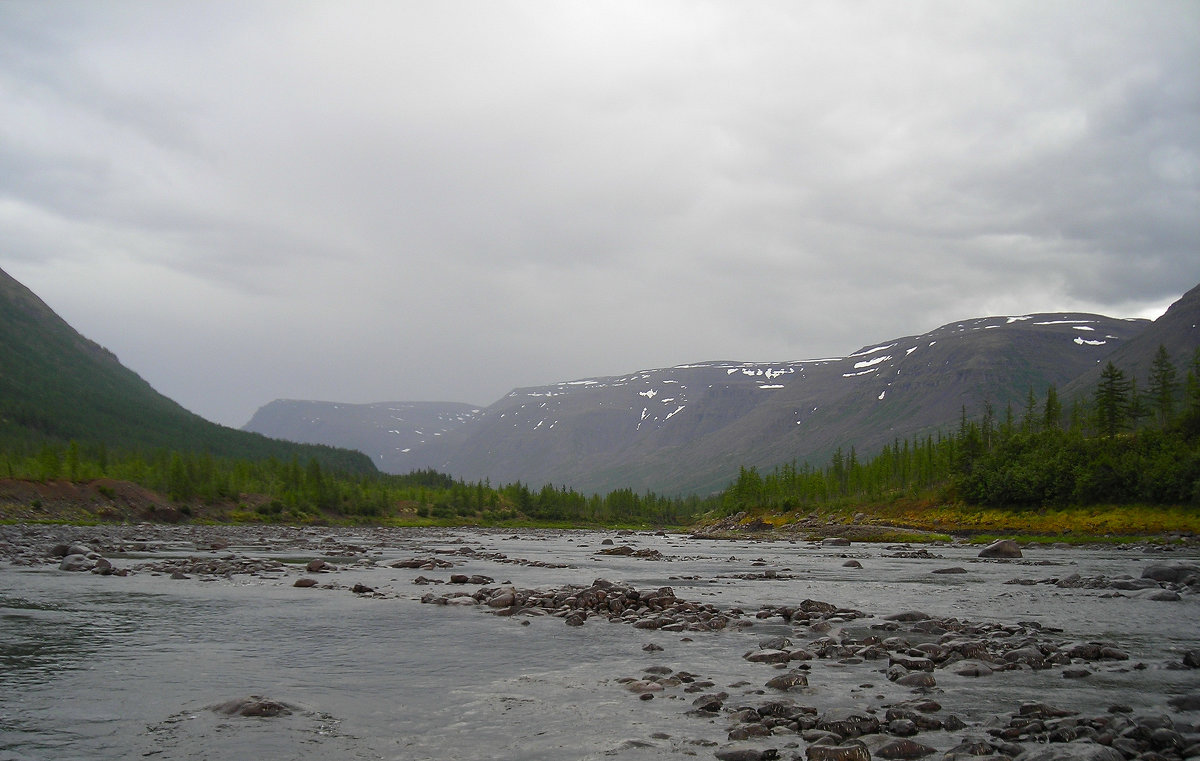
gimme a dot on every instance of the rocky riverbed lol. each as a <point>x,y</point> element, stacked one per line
<point>393,643</point>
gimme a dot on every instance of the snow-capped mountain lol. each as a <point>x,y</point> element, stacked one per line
<point>690,427</point>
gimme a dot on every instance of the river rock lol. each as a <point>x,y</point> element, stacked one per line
<point>1071,751</point>
<point>848,722</point>
<point>253,705</point>
<point>1164,595</point>
<point>917,679</point>
<point>305,582</point>
<point>768,655</point>
<point>76,562</point>
<point>788,681</point>
<point>973,668</point>
<point>835,541</point>
<point>1191,659</point>
<point>1180,573</point>
<point>902,749</point>
<point>855,751</point>
<point>954,569</point>
<point>743,753</point>
<point>1190,702</point>
<point>1001,548</point>
<point>907,615</point>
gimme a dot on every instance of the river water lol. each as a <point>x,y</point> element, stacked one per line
<point>108,667</point>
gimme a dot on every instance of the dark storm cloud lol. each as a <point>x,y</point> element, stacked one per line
<point>365,201</point>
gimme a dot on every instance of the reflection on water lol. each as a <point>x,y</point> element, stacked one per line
<point>107,667</point>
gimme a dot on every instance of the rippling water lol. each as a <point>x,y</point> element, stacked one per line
<point>109,667</point>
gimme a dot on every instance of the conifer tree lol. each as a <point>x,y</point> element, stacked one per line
<point>1052,413</point>
<point>1112,401</point>
<point>1163,385</point>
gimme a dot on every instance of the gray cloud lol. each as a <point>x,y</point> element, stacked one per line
<point>369,201</point>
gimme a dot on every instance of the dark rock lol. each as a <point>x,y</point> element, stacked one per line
<point>709,703</point>
<point>1076,673</point>
<point>736,753</point>
<point>973,668</point>
<point>917,679</point>
<point>305,582</point>
<point>903,749</point>
<point>835,541</point>
<point>855,751</point>
<point>747,731</point>
<point>316,566</point>
<point>852,564</point>
<point>908,615</point>
<point>1001,548</point>
<point>848,722</point>
<point>1191,659</point>
<point>1189,702</point>
<point>1171,572</point>
<point>361,589</point>
<point>788,682</point>
<point>252,706</point>
<point>971,748</point>
<point>902,727</point>
<point>955,569</point>
<point>76,562</point>
<point>1072,751</point>
<point>1165,595</point>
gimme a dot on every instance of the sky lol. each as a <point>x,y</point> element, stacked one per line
<point>409,201</point>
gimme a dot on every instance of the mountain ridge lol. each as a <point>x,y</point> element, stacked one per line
<point>690,427</point>
<point>57,386</point>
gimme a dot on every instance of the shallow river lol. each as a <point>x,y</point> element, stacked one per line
<point>99,667</point>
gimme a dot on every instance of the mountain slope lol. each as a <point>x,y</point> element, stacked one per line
<point>56,385</point>
<point>401,436</point>
<point>689,428</point>
<point>1177,330</point>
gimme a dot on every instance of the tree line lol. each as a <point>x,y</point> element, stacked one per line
<point>1122,445</point>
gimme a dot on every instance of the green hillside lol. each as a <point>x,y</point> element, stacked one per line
<point>57,386</point>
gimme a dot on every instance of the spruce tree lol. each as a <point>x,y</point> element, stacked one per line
<point>1112,401</point>
<point>1052,413</point>
<point>1163,385</point>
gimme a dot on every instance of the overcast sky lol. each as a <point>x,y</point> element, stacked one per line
<point>403,201</point>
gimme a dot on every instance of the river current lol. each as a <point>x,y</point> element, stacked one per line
<point>114,667</point>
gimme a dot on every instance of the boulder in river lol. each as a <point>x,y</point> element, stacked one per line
<point>254,705</point>
<point>76,562</point>
<point>1001,548</point>
<point>855,751</point>
<point>1071,751</point>
<point>744,753</point>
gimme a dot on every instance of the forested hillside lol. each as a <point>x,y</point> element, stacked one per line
<point>57,386</point>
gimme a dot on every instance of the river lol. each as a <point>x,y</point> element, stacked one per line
<point>111,667</point>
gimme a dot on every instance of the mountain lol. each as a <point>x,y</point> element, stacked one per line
<point>1177,330</point>
<point>402,436</point>
<point>57,386</point>
<point>689,428</point>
